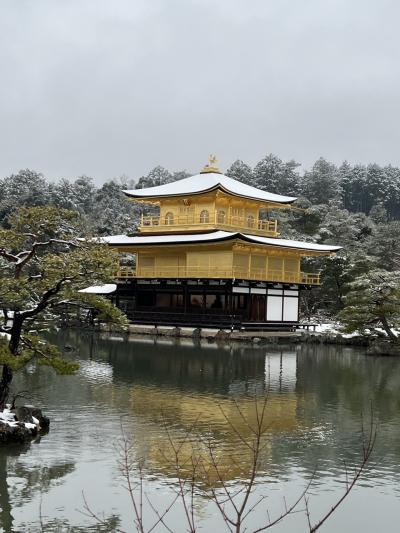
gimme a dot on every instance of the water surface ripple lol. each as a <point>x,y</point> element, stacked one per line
<point>178,393</point>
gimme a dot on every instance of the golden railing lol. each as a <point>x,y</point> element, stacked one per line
<point>307,278</point>
<point>213,220</point>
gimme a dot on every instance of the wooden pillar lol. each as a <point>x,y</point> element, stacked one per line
<point>185,297</point>
<point>134,299</point>
<point>248,307</point>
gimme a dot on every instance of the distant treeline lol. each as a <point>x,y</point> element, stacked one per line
<point>358,188</point>
<point>357,207</point>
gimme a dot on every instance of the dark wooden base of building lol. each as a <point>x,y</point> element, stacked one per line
<point>223,303</point>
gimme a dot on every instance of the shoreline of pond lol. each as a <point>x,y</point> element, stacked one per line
<point>373,345</point>
<point>250,337</point>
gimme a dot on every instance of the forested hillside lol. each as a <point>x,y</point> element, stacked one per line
<point>357,207</point>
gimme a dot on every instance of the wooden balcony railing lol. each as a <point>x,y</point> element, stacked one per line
<point>248,224</point>
<point>126,273</point>
<point>307,278</point>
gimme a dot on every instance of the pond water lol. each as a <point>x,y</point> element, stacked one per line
<point>168,392</point>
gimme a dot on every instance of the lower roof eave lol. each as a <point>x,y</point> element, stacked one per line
<point>228,281</point>
<point>145,240</point>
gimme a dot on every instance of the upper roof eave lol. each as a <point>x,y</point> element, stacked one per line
<point>152,199</point>
<point>204,183</point>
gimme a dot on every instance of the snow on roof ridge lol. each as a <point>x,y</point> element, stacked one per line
<point>122,240</point>
<point>204,182</point>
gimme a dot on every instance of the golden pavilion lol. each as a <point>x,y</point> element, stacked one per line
<point>212,256</point>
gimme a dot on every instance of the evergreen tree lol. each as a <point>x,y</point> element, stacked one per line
<point>335,276</point>
<point>63,195</point>
<point>358,198</point>
<point>43,264</point>
<point>345,179</point>
<point>240,171</point>
<point>84,190</point>
<point>392,200</point>
<point>27,188</point>
<point>157,176</point>
<point>290,181</point>
<point>268,173</point>
<point>321,184</point>
<point>379,214</point>
<point>180,175</point>
<point>112,212</point>
<point>338,225</point>
<point>373,303</point>
<point>377,186</point>
<point>384,244</point>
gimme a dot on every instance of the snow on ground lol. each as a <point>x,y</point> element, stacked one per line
<point>333,328</point>
<point>8,417</point>
<point>327,328</point>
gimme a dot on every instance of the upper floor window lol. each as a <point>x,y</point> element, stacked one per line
<point>169,218</point>
<point>204,217</point>
<point>250,221</point>
<point>221,216</point>
<point>237,213</point>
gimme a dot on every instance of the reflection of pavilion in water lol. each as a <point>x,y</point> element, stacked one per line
<point>281,370</point>
<point>194,391</point>
<point>196,421</point>
<point>185,365</point>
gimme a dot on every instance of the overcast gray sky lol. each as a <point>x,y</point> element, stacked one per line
<point>111,87</point>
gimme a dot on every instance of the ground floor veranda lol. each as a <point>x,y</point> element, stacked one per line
<point>208,302</point>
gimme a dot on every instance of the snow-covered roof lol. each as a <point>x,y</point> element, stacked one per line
<point>124,240</point>
<point>108,288</point>
<point>201,183</point>
<point>293,244</point>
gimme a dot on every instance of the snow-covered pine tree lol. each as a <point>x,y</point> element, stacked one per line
<point>157,176</point>
<point>377,186</point>
<point>84,190</point>
<point>384,244</point>
<point>321,183</point>
<point>241,171</point>
<point>112,212</point>
<point>268,173</point>
<point>26,188</point>
<point>392,200</point>
<point>44,263</point>
<point>372,304</point>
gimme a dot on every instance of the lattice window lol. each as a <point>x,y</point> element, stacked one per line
<point>204,217</point>
<point>169,218</point>
<point>221,216</point>
<point>250,221</point>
